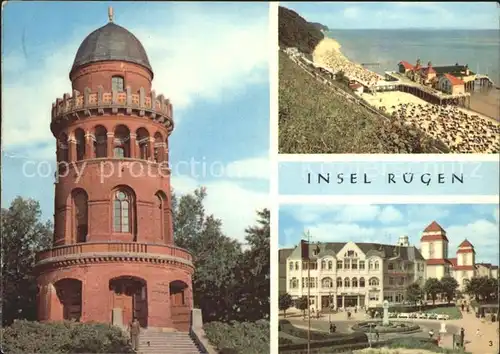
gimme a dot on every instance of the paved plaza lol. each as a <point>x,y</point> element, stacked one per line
<point>486,342</point>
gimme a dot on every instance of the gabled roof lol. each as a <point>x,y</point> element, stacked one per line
<point>434,227</point>
<point>455,81</point>
<point>406,65</point>
<point>385,251</point>
<point>465,243</point>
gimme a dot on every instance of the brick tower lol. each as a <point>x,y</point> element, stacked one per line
<point>113,256</point>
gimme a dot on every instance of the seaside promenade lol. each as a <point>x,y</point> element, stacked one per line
<point>462,130</point>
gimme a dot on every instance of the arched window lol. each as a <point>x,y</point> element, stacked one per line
<point>162,212</point>
<point>354,282</point>
<point>376,265</point>
<point>327,282</point>
<point>117,83</point>
<point>80,215</point>
<point>339,282</point>
<point>62,148</point>
<point>122,211</point>
<point>143,143</point>
<point>330,265</point>
<point>80,144</point>
<point>346,282</point>
<point>296,265</point>
<point>323,264</point>
<point>291,265</point>
<point>373,282</point>
<point>100,142</point>
<point>294,283</point>
<point>122,142</point>
<point>159,148</point>
<point>361,282</point>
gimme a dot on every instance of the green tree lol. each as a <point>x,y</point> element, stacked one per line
<point>285,302</point>
<point>254,267</point>
<point>432,287</point>
<point>449,287</point>
<point>215,257</point>
<point>23,235</point>
<point>414,293</point>
<point>482,288</point>
<point>302,304</point>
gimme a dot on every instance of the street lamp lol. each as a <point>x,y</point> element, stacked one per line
<point>330,304</point>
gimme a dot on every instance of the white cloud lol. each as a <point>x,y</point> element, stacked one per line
<point>389,215</point>
<point>329,232</point>
<point>257,168</point>
<point>351,213</point>
<point>351,12</point>
<point>190,64</point>
<point>235,205</point>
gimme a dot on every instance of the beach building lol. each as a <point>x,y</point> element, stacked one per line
<point>449,78</point>
<point>450,84</point>
<point>113,256</point>
<point>347,274</point>
<point>356,87</point>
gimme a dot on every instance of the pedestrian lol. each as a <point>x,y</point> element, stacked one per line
<point>135,330</point>
<point>462,337</point>
<point>478,333</point>
<point>431,334</point>
<point>377,335</point>
<point>463,306</point>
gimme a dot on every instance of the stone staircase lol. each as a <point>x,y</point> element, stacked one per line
<point>167,343</point>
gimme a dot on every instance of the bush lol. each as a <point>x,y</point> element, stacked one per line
<point>239,337</point>
<point>63,337</point>
<point>295,31</point>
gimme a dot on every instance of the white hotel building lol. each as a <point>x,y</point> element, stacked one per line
<point>365,274</point>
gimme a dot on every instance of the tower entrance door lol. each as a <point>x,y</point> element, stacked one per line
<point>130,295</point>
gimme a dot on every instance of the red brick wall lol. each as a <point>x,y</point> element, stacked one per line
<point>97,298</point>
<point>100,73</point>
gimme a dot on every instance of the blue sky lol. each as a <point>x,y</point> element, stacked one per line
<point>385,223</point>
<point>410,14</point>
<point>210,59</point>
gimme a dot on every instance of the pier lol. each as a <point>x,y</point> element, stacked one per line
<point>370,64</point>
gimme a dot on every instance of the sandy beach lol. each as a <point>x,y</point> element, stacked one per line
<point>464,131</point>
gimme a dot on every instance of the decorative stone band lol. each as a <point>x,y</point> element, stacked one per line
<point>157,108</point>
<point>110,257</point>
<point>125,249</point>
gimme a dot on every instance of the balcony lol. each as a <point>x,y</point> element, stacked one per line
<point>77,106</point>
<point>124,250</point>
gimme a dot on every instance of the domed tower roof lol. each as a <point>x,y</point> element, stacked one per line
<point>111,42</point>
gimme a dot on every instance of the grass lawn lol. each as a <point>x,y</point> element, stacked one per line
<point>313,119</point>
<point>453,312</point>
<point>243,337</point>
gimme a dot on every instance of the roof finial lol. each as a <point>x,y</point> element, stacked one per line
<point>110,14</point>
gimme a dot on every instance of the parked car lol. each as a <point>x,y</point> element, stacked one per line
<point>393,315</point>
<point>404,315</point>
<point>442,317</point>
<point>432,316</point>
<point>413,315</point>
<point>422,316</point>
